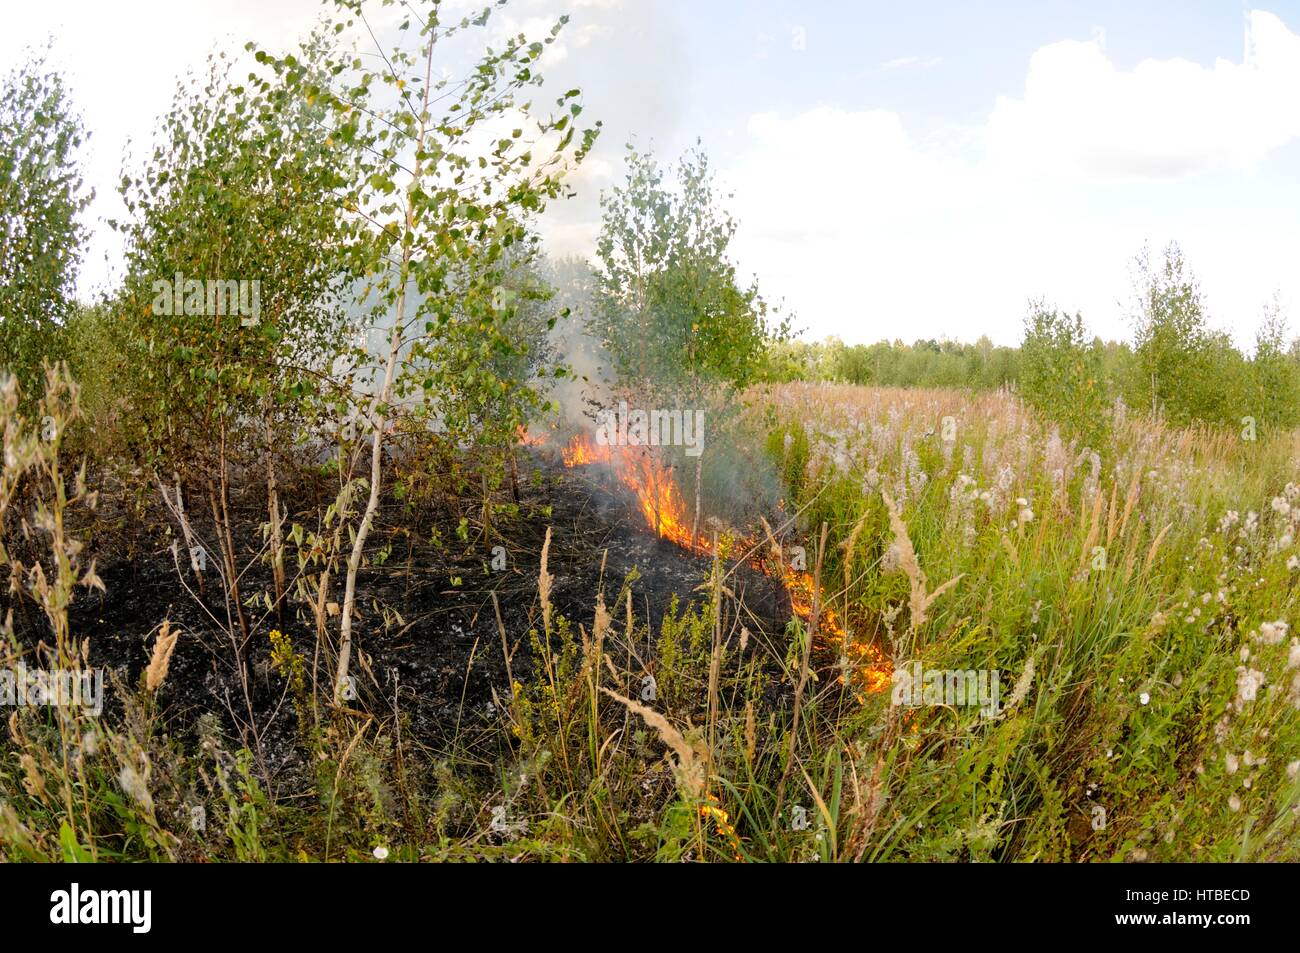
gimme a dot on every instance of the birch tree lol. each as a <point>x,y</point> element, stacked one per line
<point>456,164</point>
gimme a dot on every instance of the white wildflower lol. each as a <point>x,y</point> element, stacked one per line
<point>1248,683</point>
<point>133,783</point>
<point>1272,633</point>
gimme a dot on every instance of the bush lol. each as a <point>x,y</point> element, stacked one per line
<point>1062,374</point>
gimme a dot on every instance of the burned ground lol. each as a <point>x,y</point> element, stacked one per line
<point>429,647</point>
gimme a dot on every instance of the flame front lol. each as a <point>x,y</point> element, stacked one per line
<point>651,482</point>
<point>660,501</point>
<point>582,451</point>
<point>868,668</point>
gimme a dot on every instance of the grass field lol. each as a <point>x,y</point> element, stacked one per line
<point>1133,608</point>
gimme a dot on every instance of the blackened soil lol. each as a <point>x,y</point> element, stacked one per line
<point>426,635</point>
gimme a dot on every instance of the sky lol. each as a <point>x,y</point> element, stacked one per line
<point>897,170</point>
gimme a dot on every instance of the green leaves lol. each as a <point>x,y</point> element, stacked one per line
<point>446,222</point>
<point>1063,375</point>
<point>247,201</point>
<point>73,852</point>
<point>668,306</point>
<point>1185,371</point>
<point>41,198</point>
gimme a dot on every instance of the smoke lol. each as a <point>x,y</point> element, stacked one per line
<point>739,480</point>
<point>587,388</point>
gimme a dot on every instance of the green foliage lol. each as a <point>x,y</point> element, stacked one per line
<point>248,200</point>
<point>1179,370</point>
<point>1180,365</point>
<point>924,363</point>
<point>1061,374</point>
<point>668,307</point>
<point>1273,387</point>
<point>92,344</point>
<point>1139,702</point>
<point>443,240</point>
<point>41,196</point>
<point>1141,622</point>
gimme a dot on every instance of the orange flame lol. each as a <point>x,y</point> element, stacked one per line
<point>869,669</point>
<point>529,439</point>
<point>660,501</point>
<point>581,451</point>
<point>651,482</point>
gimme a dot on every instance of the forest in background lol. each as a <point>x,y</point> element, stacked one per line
<point>1179,367</point>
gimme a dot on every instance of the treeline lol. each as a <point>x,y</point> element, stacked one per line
<point>1178,368</point>
<point>924,363</point>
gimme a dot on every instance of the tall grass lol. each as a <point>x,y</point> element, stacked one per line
<point>1136,600</point>
<point>1132,579</point>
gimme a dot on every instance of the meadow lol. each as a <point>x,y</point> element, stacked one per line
<point>1134,605</point>
<point>326,501</point>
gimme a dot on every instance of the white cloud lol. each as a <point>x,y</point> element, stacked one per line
<point>122,67</point>
<point>123,62</point>
<point>1082,117</point>
<point>865,228</point>
<point>869,232</point>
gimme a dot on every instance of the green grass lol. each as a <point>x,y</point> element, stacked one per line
<point>1127,614</point>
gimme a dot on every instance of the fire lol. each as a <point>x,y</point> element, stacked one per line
<point>660,500</point>
<point>529,439</point>
<point>581,451</point>
<point>651,482</point>
<point>869,668</point>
